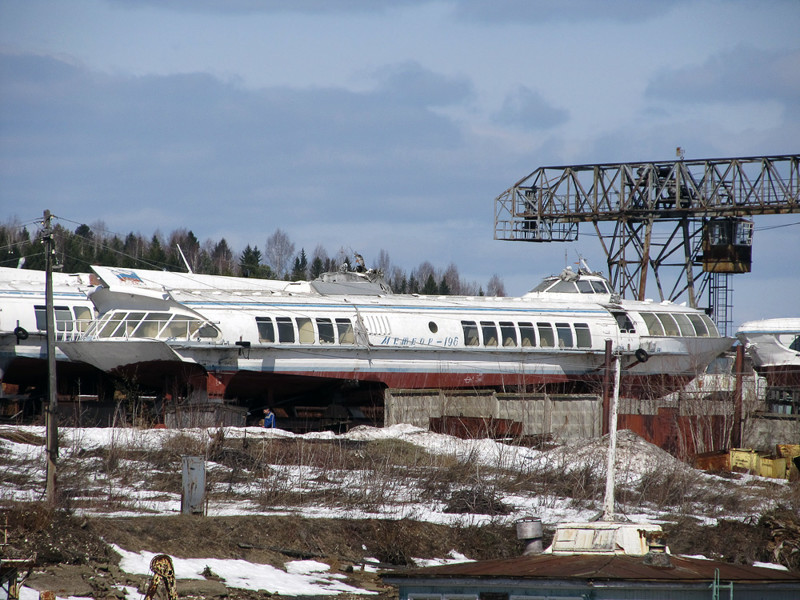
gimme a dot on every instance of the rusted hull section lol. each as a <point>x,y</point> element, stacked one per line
<point>681,435</point>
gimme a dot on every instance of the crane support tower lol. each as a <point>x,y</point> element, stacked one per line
<point>692,218</point>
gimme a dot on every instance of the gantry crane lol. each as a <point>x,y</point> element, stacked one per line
<point>684,215</point>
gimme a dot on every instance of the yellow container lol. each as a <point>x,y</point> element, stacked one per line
<point>758,463</point>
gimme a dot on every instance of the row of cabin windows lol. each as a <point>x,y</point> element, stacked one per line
<point>526,334</point>
<point>288,330</point>
<point>155,325</point>
<point>680,324</point>
<point>66,322</point>
<point>581,286</point>
<point>670,324</point>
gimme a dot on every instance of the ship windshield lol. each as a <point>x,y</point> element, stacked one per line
<point>543,285</point>
<point>153,325</point>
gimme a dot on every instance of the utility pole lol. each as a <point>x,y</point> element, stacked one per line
<point>611,471</point>
<point>51,411</point>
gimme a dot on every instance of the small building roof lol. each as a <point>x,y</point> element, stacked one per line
<point>583,567</point>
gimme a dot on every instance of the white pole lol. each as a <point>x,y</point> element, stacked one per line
<point>608,504</point>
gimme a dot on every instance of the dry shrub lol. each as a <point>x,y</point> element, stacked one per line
<point>477,500</point>
<point>582,484</point>
<point>183,444</point>
<point>53,536</point>
<point>782,527</point>
<point>399,453</point>
<point>671,487</point>
<point>682,490</point>
<point>22,437</point>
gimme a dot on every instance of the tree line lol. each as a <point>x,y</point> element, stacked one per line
<point>88,245</point>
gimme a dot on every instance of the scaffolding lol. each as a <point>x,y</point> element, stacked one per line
<point>690,217</point>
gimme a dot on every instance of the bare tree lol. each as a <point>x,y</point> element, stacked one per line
<point>382,263</point>
<point>319,261</point>
<point>320,253</point>
<point>279,251</point>
<point>398,280</point>
<point>423,272</point>
<point>495,287</point>
<point>453,279</point>
<point>343,256</point>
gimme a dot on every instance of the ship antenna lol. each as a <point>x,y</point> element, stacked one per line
<point>186,262</point>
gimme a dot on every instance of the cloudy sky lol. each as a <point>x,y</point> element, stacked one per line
<point>377,124</point>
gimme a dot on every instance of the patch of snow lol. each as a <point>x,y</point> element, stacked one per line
<point>304,579</point>
<point>767,565</point>
<point>454,558</point>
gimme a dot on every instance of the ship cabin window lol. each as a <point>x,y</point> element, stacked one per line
<point>600,287</point>
<point>508,333</point>
<point>470,333</point>
<point>83,317</point>
<point>526,335</point>
<point>111,324</point>
<point>624,322</point>
<point>151,325</point>
<point>41,317</point>
<point>653,324</point>
<point>345,330</point>
<point>285,330</point>
<point>489,331</point>
<point>670,326</point>
<point>543,285</point>
<point>564,287</point>
<point>680,324</point>
<point>64,320</point>
<point>795,345</point>
<point>305,330</point>
<point>546,337</point>
<point>684,325</point>
<point>131,321</point>
<point>325,329</point>
<point>181,327</point>
<point>585,287</point>
<point>266,330</point>
<point>564,335</point>
<point>712,328</point>
<point>208,331</point>
<point>583,335</point>
<point>699,326</point>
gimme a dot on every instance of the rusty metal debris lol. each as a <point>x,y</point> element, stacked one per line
<point>163,570</point>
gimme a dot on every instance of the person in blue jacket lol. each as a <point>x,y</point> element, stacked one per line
<point>269,418</point>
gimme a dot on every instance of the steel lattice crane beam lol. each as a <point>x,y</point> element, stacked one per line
<point>689,215</point>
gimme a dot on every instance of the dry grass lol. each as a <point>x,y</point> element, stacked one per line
<point>369,477</point>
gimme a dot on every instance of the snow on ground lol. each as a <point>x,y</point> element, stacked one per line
<point>635,459</point>
<point>301,577</point>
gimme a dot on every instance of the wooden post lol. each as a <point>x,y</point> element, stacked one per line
<point>51,411</point>
<point>606,386</point>
<point>738,400</point>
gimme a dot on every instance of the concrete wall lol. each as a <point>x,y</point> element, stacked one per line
<point>205,415</point>
<point>564,417</point>
<point>763,432</point>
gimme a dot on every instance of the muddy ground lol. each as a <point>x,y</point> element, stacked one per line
<point>73,555</point>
